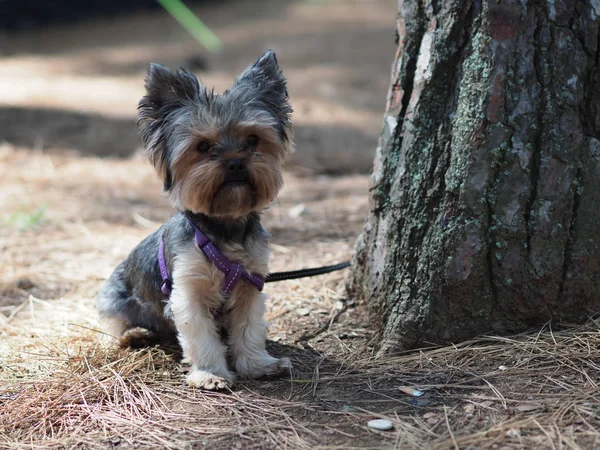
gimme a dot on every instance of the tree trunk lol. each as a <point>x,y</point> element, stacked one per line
<point>485,200</point>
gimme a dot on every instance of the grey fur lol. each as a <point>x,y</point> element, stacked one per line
<point>262,87</point>
<point>168,95</point>
<point>132,293</point>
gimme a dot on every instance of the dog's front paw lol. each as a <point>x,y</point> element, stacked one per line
<point>205,380</point>
<point>265,367</point>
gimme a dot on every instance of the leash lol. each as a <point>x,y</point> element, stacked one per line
<point>303,273</point>
<point>234,272</point>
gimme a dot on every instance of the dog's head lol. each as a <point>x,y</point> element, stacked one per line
<point>218,154</point>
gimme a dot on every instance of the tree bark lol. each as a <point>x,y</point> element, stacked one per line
<point>485,199</point>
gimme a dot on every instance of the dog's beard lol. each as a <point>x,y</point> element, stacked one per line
<point>266,179</point>
<point>233,200</point>
<point>203,189</point>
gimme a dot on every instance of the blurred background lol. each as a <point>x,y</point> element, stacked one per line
<point>76,193</point>
<point>71,73</point>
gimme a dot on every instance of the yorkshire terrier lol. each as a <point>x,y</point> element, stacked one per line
<point>198,278</point>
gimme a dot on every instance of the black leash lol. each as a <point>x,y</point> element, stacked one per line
<point>292,274</point>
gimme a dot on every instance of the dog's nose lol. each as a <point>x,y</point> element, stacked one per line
<point>235,166</point>
<point>235,171</point>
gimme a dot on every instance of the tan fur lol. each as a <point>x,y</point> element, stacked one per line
<point>196,182</point>
<point>137,337</point>
<point>208,131</point>
<point>270,143</point>
<point>198,179</point>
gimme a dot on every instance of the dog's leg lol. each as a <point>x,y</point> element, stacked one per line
<point>248,334</point>
<point>197,330</point>
<point>200,342</point>
<point>133,316</point>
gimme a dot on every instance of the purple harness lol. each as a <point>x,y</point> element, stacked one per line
<point>233,271</point>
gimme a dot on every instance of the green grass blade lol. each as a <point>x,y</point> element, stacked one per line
<point>192,24</point>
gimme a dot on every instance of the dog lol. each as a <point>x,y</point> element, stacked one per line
<point>198,278</point>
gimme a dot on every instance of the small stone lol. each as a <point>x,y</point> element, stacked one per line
<point>411,391</point>
<point>303,311</point>
<point>528,406</point>
<point>297,210</point>
<point>348,335</point>
<point>513,433</point>
<point>380,424</point>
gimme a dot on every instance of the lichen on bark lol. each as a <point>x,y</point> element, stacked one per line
<point>484,188</point>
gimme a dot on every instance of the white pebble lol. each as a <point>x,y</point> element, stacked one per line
<point>380,424</point>
<point>303,311</point>
<point>297,211</point>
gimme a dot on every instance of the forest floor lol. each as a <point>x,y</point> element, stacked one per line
<point>76,196</point>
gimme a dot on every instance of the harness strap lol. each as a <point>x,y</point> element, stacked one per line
<point>233,271</point>
<point>166,285</point>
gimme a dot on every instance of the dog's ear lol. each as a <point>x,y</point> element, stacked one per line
<point>264,82</point>
<point>167,94</point>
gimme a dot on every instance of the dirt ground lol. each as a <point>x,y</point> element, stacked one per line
<point>76,196</point>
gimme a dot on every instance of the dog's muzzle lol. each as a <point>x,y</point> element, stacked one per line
<point>236,171</point>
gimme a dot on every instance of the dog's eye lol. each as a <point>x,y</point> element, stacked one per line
<point>204,146</point>
<point>252,140</point>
